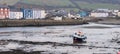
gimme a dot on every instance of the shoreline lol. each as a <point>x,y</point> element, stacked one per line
<point>111,21</point>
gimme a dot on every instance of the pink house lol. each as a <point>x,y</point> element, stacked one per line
<point>4,12</point>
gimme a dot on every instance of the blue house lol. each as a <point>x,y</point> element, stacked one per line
<point>84,13</point>
<point>27,13</point>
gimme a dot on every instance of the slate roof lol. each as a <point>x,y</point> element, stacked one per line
<point>3,6</point>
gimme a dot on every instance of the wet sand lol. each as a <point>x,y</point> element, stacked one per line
<point>29,44</point>
<point>57,40</point>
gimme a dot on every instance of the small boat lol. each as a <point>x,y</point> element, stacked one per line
<point>79,37</point>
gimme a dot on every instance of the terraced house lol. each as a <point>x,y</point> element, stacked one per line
<point>4,12</point>
<point>15,14</point>
<point>27,13</point>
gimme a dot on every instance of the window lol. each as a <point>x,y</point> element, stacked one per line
<point>6,12</point>
<point>1,8</point>
<point>5,9</point>
<point>1,12</point>
<point>7,16</point>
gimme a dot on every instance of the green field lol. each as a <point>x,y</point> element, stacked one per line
<point>97,5</point>
<point>9,2</point>
<point>49,2</point>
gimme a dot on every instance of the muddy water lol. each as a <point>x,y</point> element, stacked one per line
<point>57,39</point>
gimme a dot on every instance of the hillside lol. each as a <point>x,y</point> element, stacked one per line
<point>49,2</point>
<point>9,2</point>
<point>83,4</point>
<point>93,4</point>
<point>102,1</point>
<point>67,4</point>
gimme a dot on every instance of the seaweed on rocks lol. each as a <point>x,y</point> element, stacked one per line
<point>17,51</point>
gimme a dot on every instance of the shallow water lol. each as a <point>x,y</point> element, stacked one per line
<point>57,39</point>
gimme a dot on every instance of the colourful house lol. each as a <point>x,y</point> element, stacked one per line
<point>15,14</point>
<point>27,13</point>
<point>39,14</point>
<point>4,12</point>
<point>84,13</point>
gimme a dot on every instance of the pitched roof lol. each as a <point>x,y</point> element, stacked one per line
<point>15,10</point>
<point>3,6</point>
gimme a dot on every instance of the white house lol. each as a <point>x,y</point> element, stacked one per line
<point>36,13</point>
<point>15,15</point>
<point>70,15</point>
<point>99,14</point>
<point>118,14</point>
<point>43,14</point>
<point>39,14</point>
<point>115,12</point>
<point>76,16</point>
<point>58,18</point>
<point>105,10</point>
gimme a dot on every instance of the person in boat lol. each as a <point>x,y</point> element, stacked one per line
<point>79,33</point>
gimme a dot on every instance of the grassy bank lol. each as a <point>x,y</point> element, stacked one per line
<point>23,23</point>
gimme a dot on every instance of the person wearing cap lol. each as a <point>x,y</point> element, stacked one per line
<point>80,33</point>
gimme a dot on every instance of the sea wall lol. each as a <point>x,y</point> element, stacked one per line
<point>28,22</point>
<point>110,21</point>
